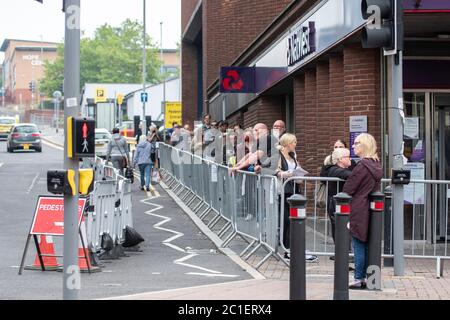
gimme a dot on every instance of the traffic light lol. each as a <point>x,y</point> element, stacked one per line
<point>81,137</point>
<point>385,29</point>
<point>32,86</point>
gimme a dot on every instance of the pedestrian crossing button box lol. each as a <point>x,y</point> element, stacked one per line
<point>401,176</point>
<point>61,182</point>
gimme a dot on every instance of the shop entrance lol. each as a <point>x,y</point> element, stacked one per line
<point>442,160</point>
<point>427,155</point>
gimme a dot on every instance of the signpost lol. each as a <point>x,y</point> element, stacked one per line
<point>100,95</point>
<point>48,220</point>
<point>173,113</point>
<point>144,97</point>
<point>71,274</point>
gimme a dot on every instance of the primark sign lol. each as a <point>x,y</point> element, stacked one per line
<point>301,42</point>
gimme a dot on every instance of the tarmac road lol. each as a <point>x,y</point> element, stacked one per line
<point>175,254</point>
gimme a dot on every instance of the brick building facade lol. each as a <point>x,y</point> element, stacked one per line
<point>320,92</point>
<point>22,64</point>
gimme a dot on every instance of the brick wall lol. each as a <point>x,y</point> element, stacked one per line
<point>336,100</point>
<point>362,87</point>
<point>324,123</point>
<point>327,95</point>
<point>187,9</point>
<point>265,110</point>
<point>229,27</point>
<point>189,83</point>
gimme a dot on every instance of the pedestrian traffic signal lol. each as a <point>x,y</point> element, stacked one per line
<point>81,137</point>
<point>385,25</point>
<point>32,86</point>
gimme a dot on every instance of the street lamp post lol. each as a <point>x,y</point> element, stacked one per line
<point>42,72</point>
<point>162,69</point>
<point>144,74</point>
<point>57,97</point>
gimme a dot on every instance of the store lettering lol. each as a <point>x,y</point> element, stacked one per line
<point>301,43</point>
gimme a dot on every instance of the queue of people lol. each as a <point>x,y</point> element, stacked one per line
<point>260,150</point>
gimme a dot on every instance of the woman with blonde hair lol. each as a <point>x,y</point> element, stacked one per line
<point>286,165</point>
<point>364,180</point>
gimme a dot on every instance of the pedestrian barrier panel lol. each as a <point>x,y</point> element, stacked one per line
<point>253,210</point>
<point>106,211</point>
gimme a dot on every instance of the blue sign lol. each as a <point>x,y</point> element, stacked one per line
<point>237,79</point>
<point>144,97</point>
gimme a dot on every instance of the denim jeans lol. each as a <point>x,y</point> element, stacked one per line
<point>361,251</point>
<point>145,170</point>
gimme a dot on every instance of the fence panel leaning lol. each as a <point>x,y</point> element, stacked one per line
<point>110,213</point>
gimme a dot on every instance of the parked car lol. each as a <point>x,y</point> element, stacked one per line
<point>102,138</point>
<point>24,136</point>
<point>6,124</point>
<point>129,126</point>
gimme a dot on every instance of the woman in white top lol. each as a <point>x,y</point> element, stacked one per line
<point>286,165</point>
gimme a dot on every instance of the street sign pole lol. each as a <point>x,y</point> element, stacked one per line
<point>396,140</point>
<point>71,274</point>
<point>144,75</point>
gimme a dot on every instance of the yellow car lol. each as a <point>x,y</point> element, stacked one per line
<point>6,124</point>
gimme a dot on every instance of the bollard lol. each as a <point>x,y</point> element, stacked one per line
<point>341,248</point>
<point>297,285</point>
<point>374,259</point>
<point>388,226</point>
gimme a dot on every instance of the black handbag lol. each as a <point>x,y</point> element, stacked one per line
<point>129,174</point>
<point>132,237</point>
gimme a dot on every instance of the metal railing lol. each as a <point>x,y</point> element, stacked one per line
<point>426,227</point>
<point>250,206</point>
<point>111,201</point>
<point>244,202</point>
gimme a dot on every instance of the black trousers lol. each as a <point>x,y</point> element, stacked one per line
<point>286,221</point>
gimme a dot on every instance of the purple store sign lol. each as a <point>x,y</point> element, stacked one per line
<point>426,74</point>
<point>426,5</point>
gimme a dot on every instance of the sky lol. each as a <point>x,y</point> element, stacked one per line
<point>29,19</point>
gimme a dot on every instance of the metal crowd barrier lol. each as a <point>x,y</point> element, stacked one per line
<point>112,206</point>
<point>426,225</point>
<point>251,206</point>
<point>245,203</point>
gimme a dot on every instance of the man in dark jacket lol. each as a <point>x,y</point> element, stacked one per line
<point>364,180</point>
<point>340,160</point>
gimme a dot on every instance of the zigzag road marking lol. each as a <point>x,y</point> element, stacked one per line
<point>177,235</point>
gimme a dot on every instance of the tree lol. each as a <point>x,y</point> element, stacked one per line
<point>113,55</point>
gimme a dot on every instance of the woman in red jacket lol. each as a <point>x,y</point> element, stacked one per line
<point>364,180</point>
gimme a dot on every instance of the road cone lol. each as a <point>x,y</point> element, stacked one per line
<point>47,248</point>
<point>84,261</point>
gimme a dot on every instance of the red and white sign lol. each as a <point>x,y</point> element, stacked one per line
<point>297,213</point>
<point>49,216</point>
<point>378,206</point>
<point>343,209</point>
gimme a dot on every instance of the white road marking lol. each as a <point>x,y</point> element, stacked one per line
<point>176,235</point>
<point>181,262</point>
<point>32,183</point>
<point>53,145</point>
<point>1,164</point>
<point>209,275</point>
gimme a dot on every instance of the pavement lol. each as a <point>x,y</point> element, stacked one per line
<point>271,280</point>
